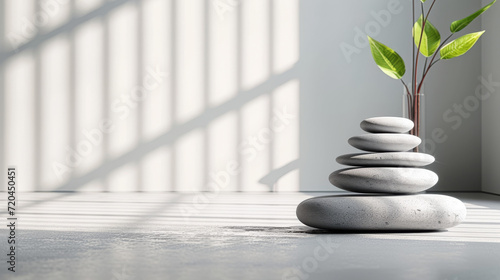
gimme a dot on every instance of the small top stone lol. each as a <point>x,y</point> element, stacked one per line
<point>386,125</point>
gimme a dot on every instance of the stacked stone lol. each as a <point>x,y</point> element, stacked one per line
<point>388,168</point>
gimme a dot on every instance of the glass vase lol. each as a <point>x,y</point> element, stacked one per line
<point>414,109</point>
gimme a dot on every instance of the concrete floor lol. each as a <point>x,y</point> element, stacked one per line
<point>234,236</point>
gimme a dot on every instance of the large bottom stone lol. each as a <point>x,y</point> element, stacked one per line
<point>372,212</point>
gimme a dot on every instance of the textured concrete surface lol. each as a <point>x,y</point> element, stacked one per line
<point>234,236</point>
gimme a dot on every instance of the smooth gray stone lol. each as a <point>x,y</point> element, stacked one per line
<point>397,180</point>
<point>385,142</point>
<point>370,213</point>
<point>389,159</point>
<point>387,125</point>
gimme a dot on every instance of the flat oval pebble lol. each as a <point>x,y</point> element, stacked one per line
<point>397,180</point>
<point>385,142</point>
<point>387,125</point>
<point>389,159</point>
<point>372,213</point>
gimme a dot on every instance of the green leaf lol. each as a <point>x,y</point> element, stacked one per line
<point>430,39</point>
<point>460,46</point>
<point>423,1</point>
<point>461,24</point>
<point>387,59</point>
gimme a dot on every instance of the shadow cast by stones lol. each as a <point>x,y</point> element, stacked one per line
<point>310,230</point>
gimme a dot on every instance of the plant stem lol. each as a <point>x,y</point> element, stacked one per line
<point>414,85</point>
<point>413,47</point>
<point>414,111</point>
<point>420,41</point>
<point>408,101</point>
<point>425,66</point>
<point>423,77</point>
<point>416,100</point>
<point>417,118</point>
<point>406,86</point>
<point>432,61</point>
<point>433,57</point>
<point>440,47</point>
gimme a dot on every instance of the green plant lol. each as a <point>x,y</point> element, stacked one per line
<point>428,44</point>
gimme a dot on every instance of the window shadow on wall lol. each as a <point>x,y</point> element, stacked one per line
<point>149,95</point>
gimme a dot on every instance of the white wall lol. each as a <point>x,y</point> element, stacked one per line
<point>491,104</point>
<point>236,69</point>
